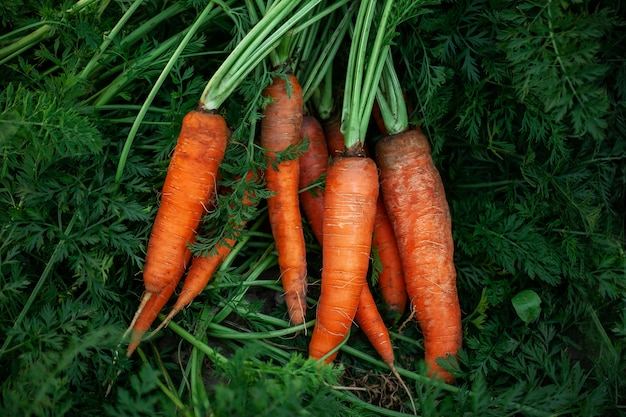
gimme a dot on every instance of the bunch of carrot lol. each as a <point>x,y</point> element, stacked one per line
<point>393,206</point>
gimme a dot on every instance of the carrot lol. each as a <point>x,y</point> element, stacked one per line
<point>416,204</point>
<point>391,277</point>
<point>367,314</point>
<point>349,211</point>
<point>280,128</point>
<point>370,321</point>
<point>147,315</point>
<point>203,267</point>
<point>313,164</point>
<point>334,137</point>
<point>189,183</point>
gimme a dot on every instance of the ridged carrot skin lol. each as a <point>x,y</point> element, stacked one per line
<point>189,184</point>
<point>391,277</point>
<point>349,212</point>
<point>417,207</point>
<point>280,128</point>
<point>313,164</point>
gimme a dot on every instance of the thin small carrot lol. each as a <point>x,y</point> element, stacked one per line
<point>349,211</point>
<point>334,137</point>
<point>147,315</point>
<point>391,277</point>
<point>370,321</point>
<point>416,204</point>
<point>280,128</point>
<point>313,164</point>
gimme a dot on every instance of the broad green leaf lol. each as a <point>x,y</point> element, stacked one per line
<point>527,304</point>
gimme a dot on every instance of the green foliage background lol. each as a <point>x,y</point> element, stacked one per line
<point>524,102</point>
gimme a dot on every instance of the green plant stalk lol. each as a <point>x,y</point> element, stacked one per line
<point>222,332</point>
<point>109,38</point>
<point>212,354</point>
<point>379,411</point>
<point>266,261</point>
<point>155,89</point>
<point>40,34</point>
<point>56,256</point>
<point>199,395</point>
<point>361,88</point>
<point>322,69</point>
<point>223,81</point>
<point>391,100</point>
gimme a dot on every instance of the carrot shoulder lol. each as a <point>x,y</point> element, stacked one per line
<point>416,204</point>
<point>280,128</point>
<point>189,183</point>
<point>349,210</point>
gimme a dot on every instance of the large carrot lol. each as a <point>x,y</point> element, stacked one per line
<point>189,183</point>
<point>349,211</point>
<point>313,164</point>
<point>391,278</point>
<point>416,204</point>
<point>280,129</point>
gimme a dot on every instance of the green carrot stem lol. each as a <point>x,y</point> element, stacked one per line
<point>202,18</point>
<point>391,100</point>
<point>363,72</point>
<point>109,38</point>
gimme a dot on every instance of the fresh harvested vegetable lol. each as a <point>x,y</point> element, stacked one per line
<point>203,267</point>
<point>189,184</point>
<point>416,204</point>
<point>349,211</point>
<point>280,128</point>
<point>391,277</point>
<point>313,164</point>
<point>147,315</point>
<point>370,321</point>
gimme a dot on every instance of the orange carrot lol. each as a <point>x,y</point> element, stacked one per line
<point>391,277</point>
<point>370,321</point>
<point>334,137</point>
<point>416,204</point>
<point>313,164</point>
<point>147,315</point>
<point>280,128</point>
<point>203,267</point>
<point>349,211</point>
<point>189,183</point>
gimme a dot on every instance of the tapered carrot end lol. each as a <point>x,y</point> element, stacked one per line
<point>144,300</point>
<point>167,319</point>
